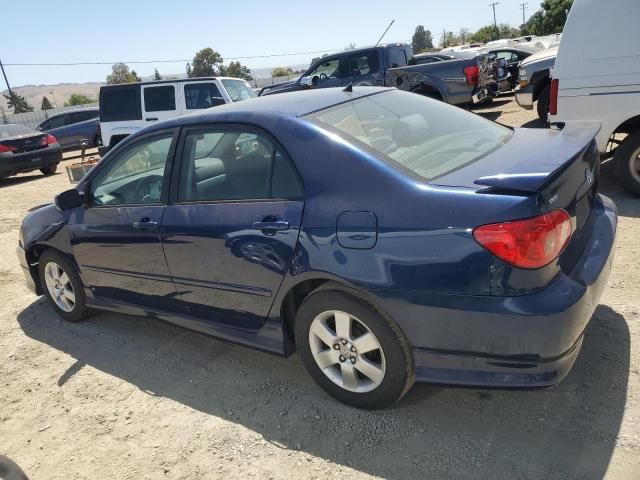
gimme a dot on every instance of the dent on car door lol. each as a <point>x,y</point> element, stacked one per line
<point>232,228</point>
<point>115,237</point>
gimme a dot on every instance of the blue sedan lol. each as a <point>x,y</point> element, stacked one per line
<point>387,237</point>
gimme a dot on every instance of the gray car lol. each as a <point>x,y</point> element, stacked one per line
<point>72,127</point>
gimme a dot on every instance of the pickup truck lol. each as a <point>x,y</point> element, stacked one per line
<point>534,78</point>
<point>456,81</point>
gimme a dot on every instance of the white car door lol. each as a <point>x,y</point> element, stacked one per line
<point>159,102</point>
<point>199,95</point>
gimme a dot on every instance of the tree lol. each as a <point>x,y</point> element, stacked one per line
<point>281,72</point>
<point>205,63</point>
<point>429,38</point>
<point>419,40</point>
<point>351,46</point>
<point>487,33</point>
<point>156,75</point>
<point>3,115</point>
<point>120,74</point>
<point>18,103</point>
<point>78,99</point>
<point>237,70</point>
<point>46,104</point>
<point>189,71</point>
<point>463,35</point>
<point>549,19</point>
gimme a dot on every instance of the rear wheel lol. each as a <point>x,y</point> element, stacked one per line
<point>355,353</point>
<point>543,103</point>
<point>62,286</point>
<point>626,163</point>
<point>49,169</point>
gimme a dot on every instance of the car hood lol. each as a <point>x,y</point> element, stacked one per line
<point>274,87</point>
<point>541,55</point>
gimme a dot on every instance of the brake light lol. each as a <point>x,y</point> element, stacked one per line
<point>472,74</point>
<point>48,140</point>
<point>553,98</point>
<point>6,148</point>
<point>529,243</point>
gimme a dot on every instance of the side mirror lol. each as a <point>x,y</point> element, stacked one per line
<point>216,101</point>
<point>306,82</point>
<point>68,200</point>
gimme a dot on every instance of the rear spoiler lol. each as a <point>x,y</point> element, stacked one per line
<point>581,134</point>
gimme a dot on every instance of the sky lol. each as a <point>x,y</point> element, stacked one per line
<point>116,30</point>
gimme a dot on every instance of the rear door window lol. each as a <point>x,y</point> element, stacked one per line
<point>359,64</point>
<point>120,103</point>
<point>202,95</point>
<point>159,99</point>
<point>55,122</point>
<point>397,57</point>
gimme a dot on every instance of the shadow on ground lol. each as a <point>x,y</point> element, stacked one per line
<point>30,177</point>
<point>566,432</point>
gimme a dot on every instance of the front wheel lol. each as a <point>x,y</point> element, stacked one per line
<point>355,353</point>
<point>62,286</point>
<point>626,163</point>
<point>49,169</point>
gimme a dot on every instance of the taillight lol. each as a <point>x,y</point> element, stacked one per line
<point>529,243</point>
<point>6,148</point>
<point>48,140</point>
<point>472,74</point>
<point>553,98</point>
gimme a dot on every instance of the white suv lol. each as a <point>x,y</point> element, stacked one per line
<point>597,78</point>
<point>127,108</point>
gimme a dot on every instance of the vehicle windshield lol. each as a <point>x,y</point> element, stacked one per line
<point>424,136</point>
<point>238,90</point>
<point>7,131</point>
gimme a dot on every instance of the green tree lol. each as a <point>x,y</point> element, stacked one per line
<point>419,40</point>
<point>120,74</point>
<point>3,115</point>
<point>205,63</point>
<point>156,75</point>
<point>189,71</point>
<point>78,99</point>
<point>429,38</point>
<point>237,70</point>
<point>351,46</point>
<point>18,103</point>
<point>487,33</point>
<point>549,19</point>
<point>281,72</point>
<point>46,104</point>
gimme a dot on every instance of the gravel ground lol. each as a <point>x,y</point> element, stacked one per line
<point>124,397</point>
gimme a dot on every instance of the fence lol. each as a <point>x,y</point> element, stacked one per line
<point>263,82</point>
<point>35,118</point>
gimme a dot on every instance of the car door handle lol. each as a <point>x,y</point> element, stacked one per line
<point>275,225</point>
<point>145,224</point>
<point>151,119</point>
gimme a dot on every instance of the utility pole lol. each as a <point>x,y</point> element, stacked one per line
<point>495,23</point>
<point>524,6</point>
<point>444,38</point>
<point>7,82</point>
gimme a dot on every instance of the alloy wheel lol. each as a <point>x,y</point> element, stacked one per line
<point>59,287</point>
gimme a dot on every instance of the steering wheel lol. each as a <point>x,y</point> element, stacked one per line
<point>323,77</point>
<point>143,187</point>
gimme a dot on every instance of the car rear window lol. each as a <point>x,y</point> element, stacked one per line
<point>7,131</point>
<point>120,103</point>
<point>421,136</point>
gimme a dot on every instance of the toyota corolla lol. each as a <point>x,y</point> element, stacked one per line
<point>387,237</point>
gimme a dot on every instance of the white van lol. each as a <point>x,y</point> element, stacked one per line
<point>597,78</point>
<point>127,108</point>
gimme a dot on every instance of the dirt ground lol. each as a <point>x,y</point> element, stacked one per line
<point>123,397</point>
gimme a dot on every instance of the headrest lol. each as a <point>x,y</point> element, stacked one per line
<point>410,130</point>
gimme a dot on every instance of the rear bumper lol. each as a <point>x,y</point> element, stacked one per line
<point>524,97</point>
<point>516,342</point>
<point>26,162</point>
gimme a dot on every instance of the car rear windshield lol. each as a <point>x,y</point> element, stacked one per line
<point>7,131</point>
<point>423,136</point>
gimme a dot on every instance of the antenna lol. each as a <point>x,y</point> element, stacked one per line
<point>348,88</point>
<point>385,32</point>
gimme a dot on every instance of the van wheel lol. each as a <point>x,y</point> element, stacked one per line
<point>355,353</point>
<point>62,286</point>
<point>626,163</point>
<point>543,103</point>
<point>49,169</point>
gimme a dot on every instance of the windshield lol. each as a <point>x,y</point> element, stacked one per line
<point>238,90</point>
<point>7,131</point>
<point>427,137</point>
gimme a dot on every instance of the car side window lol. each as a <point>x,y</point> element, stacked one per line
<point>135,175</point>
<point>55,122</point>
<point>360,64</point>
<point>326,70</point>
<point>234,164</point>
<point>397,57</point>
<point>159,99</point>
<point>507,56</point>
<point>202,95</point>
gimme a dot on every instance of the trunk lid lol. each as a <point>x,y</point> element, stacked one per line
<point>26,143</point>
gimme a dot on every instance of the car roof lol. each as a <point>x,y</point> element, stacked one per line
<point>291,103</point>
<point>76,110</point>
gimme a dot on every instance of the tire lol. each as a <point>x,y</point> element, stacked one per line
<point>71,307</point>
<point>49,169</point>
<point>388,360</point>
<point>543,103</point>
<point>626,163</point>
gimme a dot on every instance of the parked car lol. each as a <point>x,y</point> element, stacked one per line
<point>73,127</point>
<point>23,149</point>
<point>127,108</point>
<point>262,223</point>
<point>512,56</point>
<point>360,67</point>
<point>534,79</point>
<point>602,83</point>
